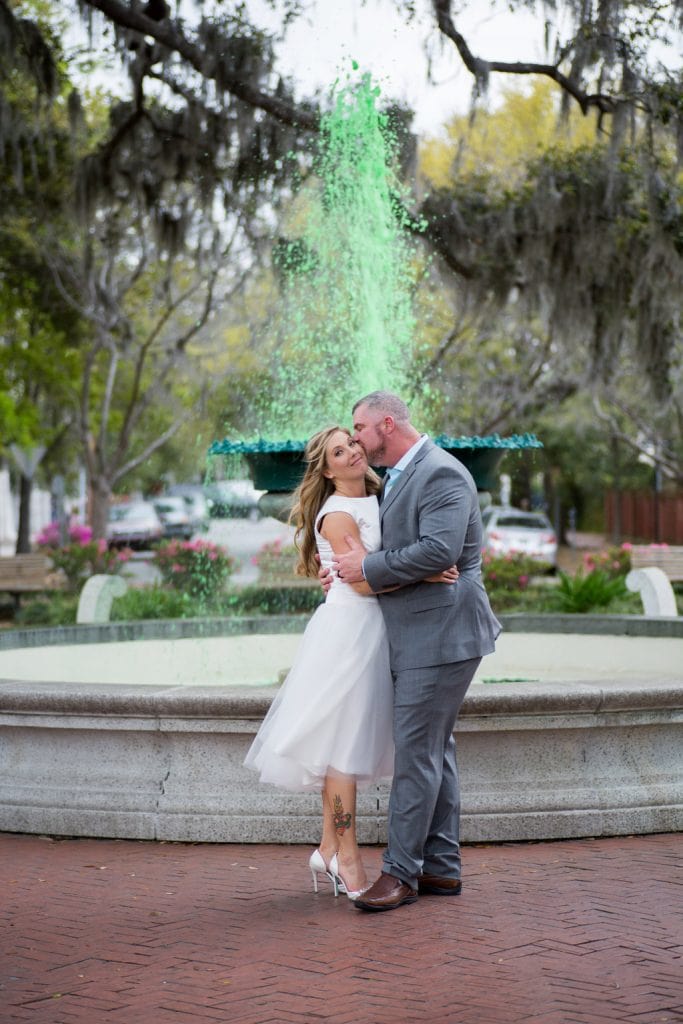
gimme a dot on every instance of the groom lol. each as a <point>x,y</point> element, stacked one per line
<point>430,520</point>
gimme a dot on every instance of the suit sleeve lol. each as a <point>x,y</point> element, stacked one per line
<point>443,515</point>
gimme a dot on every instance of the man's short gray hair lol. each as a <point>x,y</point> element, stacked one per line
<point>386,402</point>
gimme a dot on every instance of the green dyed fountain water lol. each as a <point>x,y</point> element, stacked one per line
<point>346,324</point>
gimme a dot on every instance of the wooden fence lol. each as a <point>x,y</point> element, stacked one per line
<point>644,516</point>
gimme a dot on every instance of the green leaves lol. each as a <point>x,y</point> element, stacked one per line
<point>584,593</point>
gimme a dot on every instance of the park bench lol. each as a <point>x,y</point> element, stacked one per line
<point>28,574</point>
<point>668,559</point>
<point>653,570</point>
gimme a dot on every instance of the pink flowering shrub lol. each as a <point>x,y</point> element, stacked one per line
<point>82,556</point>
<point>198,568</point>
<point>77,533</point>
<point>512,571</point>
<point>276,561</point>
<point>614,561</point>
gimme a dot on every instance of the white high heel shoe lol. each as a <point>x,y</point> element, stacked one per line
<point>340,884</point>
<point>318,866</point>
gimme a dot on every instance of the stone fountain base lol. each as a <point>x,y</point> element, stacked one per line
<point>539,760</point>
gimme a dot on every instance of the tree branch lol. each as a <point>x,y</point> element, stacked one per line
<point>668,464</point>
<point>481,69</point>
<point>137,460</point>
<point>167,33</point>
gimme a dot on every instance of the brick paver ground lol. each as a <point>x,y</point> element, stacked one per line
<point>124,932</point>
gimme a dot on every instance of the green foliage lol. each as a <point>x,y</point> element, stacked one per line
<point>80,561</point>
<point>154,603</point>
<point>269,600</point>
<point>197,568</point>
<point>510,582</point>
<point>47,610</point>
<point>162,603</point>
<point>511,571</point>
<point>585,593</point>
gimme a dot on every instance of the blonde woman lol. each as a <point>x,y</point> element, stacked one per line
<point>329,727</point>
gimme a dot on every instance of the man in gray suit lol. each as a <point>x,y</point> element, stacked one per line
<point>430,520</point>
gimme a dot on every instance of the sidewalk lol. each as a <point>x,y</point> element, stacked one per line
<point>125,932</point>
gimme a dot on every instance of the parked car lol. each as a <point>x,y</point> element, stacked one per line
<point>134,524</point>
<point>174,515</point>
<point>509,529</point>
<point>195,502</point>
<point>233,498</point>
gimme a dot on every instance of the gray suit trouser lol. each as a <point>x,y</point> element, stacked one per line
<point>424,805</point>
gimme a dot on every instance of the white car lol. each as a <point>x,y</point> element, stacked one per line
<point>233,498</point>
<point>174,515</point>
<point>513,531</point>
<point>133,524</point>
<point>197,506</point>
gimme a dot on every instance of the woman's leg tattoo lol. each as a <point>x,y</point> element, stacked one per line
<point>342,820</point>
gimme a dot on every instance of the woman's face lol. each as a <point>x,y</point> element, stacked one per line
<point>345,458</point>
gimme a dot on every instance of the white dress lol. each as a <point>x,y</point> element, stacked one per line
<point>333,714</point>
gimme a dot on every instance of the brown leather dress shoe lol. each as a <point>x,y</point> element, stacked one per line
<point>435,885</point>
<point>387,893</point>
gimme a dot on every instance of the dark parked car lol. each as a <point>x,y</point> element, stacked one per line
<point>133,524</point>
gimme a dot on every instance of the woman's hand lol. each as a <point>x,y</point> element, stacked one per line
<point>447,576</point>
<point>325,577</point>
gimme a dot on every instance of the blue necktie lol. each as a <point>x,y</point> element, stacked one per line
<point>392,476</point>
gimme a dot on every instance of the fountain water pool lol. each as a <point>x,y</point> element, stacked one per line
<point>92,742</point>
<point>260,660</point>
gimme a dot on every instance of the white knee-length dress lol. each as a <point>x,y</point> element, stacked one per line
<point>333,714</point>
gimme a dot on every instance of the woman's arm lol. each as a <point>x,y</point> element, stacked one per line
<point>337,527</point>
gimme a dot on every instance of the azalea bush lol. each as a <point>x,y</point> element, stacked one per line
<point>513,571</point>
<point>276,561</point>
<point>198,568</point>
<point>81,556</point>
<point>614,561</point>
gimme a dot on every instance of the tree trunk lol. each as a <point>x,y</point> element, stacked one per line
<point>100,497</point>
<point>615,497</point>
<point>24,526</point>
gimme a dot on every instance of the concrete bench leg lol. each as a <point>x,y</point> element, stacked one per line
<point>655,591</point>
<point>94,604</point>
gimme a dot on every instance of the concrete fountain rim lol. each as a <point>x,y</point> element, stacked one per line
<point>180,629</point>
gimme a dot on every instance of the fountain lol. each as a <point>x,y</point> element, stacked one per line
<point>579,734</point>
<point>346,325</point>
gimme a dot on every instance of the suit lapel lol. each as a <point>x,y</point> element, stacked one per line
<point>403,479</point>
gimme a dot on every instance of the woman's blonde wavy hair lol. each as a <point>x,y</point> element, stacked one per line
<point>311,495</point>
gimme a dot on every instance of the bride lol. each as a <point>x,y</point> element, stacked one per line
<point>329,727</point>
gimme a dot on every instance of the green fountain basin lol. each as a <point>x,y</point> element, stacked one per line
<point>277,466</point>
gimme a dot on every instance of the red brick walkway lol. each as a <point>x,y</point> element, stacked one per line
<point>124,932</point>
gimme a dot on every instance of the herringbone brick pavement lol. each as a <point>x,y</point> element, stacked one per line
<point>125,932</point>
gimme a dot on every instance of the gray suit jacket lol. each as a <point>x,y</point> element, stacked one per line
<point>430,519</point>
